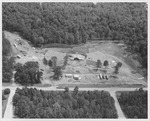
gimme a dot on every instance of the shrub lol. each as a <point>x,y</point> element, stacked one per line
<point>6,91</point>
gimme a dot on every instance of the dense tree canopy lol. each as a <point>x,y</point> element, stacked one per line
<point>6,50</point>
<point>134,104</point>
<point>28,74</point>
<point>7,60</point>
<point>57,72</point>
<point>33,103</point>
<point>74,23</point>
<point>45,62</point>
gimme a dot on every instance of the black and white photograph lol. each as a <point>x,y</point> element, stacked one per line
<point>74,60</point>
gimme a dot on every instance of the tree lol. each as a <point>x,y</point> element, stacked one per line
<point>117,67</point>
<point>7,60</point>
<point>7,68</point>
<point>6,48</point>
<point>116,71</point>
<point>23,110</point>
<point>106,64</point>
<point>16,98</point>
<point>76,37</point>
<point>57,73</point>
<point>119,64</point>
<point>50,63</point>
<point>18,67</point>
<point>6,91</point>
<point>99,64</point>
<point>54,61</point>
<point>55,26</point>
<point>33,103</point>
<point>44,61</point>
<point>66,89</point>
<point>28,74</point>
<point>76,89</point>
<point>65,60</point>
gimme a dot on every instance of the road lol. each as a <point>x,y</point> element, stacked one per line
<point>9,109</point>
<point>117,105</point>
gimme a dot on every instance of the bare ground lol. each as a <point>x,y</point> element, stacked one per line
<point>105,51</point>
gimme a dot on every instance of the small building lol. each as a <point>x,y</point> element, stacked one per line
<point>18,39</point>
<point>19,56</point>
<point>76,77</point>
<point>76,54</point>
<point>76,57</point>
<point>15,45</point>
<point>100,76</point>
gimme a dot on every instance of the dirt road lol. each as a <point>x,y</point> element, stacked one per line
<point>9,109</point>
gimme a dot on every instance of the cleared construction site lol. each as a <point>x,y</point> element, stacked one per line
<point>81,68</point>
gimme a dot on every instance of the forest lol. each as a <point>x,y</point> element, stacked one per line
<point>33,103</point>
<point>134,104</point>
<point>7,60</point>
<point>28,74</point>
<point>75,23</point>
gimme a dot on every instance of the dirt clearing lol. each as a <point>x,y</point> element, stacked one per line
<point>105,51</point>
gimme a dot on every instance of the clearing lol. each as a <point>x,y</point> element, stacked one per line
<point>84,69</point>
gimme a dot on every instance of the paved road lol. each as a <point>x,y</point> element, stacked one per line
<point>112,91</point>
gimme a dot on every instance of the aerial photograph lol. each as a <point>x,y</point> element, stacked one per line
<point>74,60</point>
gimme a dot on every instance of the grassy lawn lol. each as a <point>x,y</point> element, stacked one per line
<point>4,104</point>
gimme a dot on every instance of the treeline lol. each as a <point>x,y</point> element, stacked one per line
<point>75,23</point>
<point>28,74</point>
<point>33,103</point>
<point>134,104</point>
<point>7,61</point>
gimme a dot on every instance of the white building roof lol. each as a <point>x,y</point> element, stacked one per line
<point>76,75</point>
